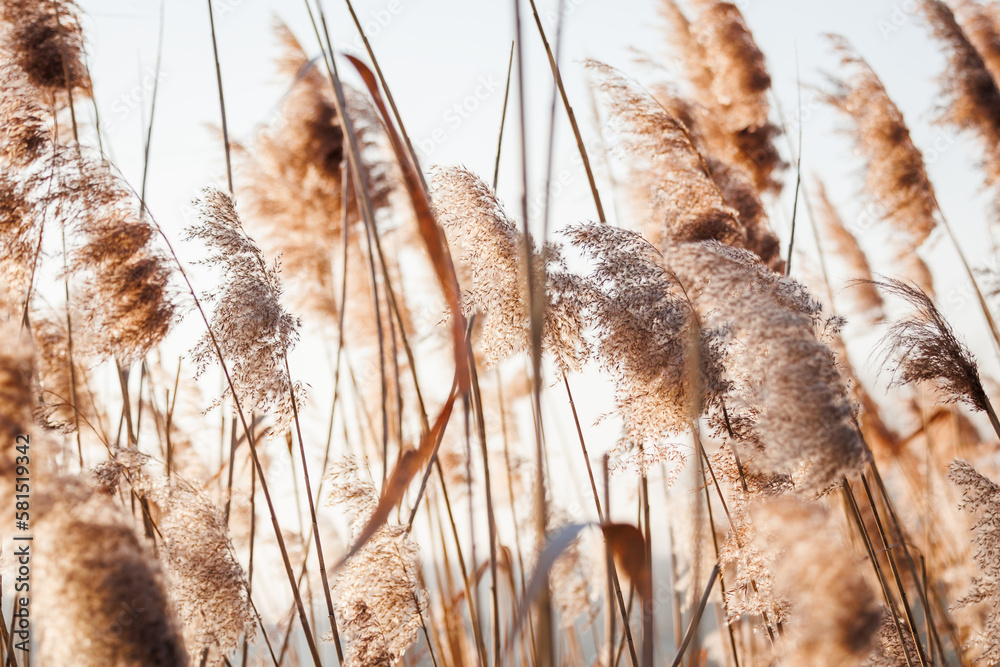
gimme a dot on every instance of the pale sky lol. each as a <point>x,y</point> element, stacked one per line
<point>446,60</point>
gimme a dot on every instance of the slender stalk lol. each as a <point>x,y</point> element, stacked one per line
<point>696,619</point>
<point>855,514</point>
<point>491,517</point>
<point>601,517</point>
<point>312,515</point>
<point>503,118</point>
<point>545,648</point>
<point>647,605</point>
<point>612,616</point>
<point>554,65</point>
<point>222,98</point>
<point>888,548</point>
<point>798,177</point>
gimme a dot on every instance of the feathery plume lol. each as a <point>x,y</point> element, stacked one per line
<point>379,598</point>
<point>690,51</point>
<point>675,160</point>
<point>55,382</point>
<point>924,347</point>
<point>833,614</point>
<point>97,587</point>
<point>752,590</point>
<point>734,180</point>
<point>981,24</point>
<point>124,296</point>
<point>895,178</point>
<point>686,203</point>
<point>291,180</point>
<point>740,85</point>
<point>570,579</point>
<point>24,129</point>
<point>739,192</point>
<point>888,650</point>
<point>494,253</point>
<point>206,582</point>
<point>250,326</point>
<point>45,40</point>
<point>20,231</point>
<point>973,93</point>
<point>664,366</point>
<point>784,377</point>
<point>981,499</point>
<point>866,297</point>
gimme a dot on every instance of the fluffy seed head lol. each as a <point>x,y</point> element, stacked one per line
<point>250,326</point>
<point>974,99</point>
<point>833,612</point>
<point>207,583</point>
<point>45,39</point>
<point>685,203</point>
<point>785,379</point>
<point>666,368</point>
<point>924,347</point>
<point>896,178</point>
<point>981,499</point>
<point>866,297</point>
<point>494,253</point>
<point>740,85</point>
<point>96,585</point>
<point>379,599</point>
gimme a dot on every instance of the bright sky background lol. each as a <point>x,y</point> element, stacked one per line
<point>446,60</point>
<point>437,54</point>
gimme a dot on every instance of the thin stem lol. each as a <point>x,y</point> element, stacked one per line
<point>696,619</point>
<point>554,65</point>
<point>222,98</point>
<point>855,514</point>
<point>312,514</point>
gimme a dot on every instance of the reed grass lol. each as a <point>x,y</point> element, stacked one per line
<point>806,516</point>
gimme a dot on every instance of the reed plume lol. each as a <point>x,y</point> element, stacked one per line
<point>665,367</point>
<point>734,180</point>
<point>896,178</point>
<point>686,204</point>
<point>20,232</point>
<point>833,614</point>
<point>751,591</point>
<point>678,169</point>
<point>924,347</point>
<point>45,40</point>
<point>24,122</point>
<point>17,397</point>
<point>96,589</point>
<point>740,85</point>
<point>981,499</point>
<point>379,599</point>
<point>981,24</point>
<point>889,651</point>
<point>494,252</point>
<point>784,378</point>
<point>252,329</point>
<point>974,98</point>
<point>56,407</point>
<point>729,81</point>
<point>124,298</point>
<point>291,182</point>
<point>207,584</point>
<point>866,298</point>
<point>572,577</point>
